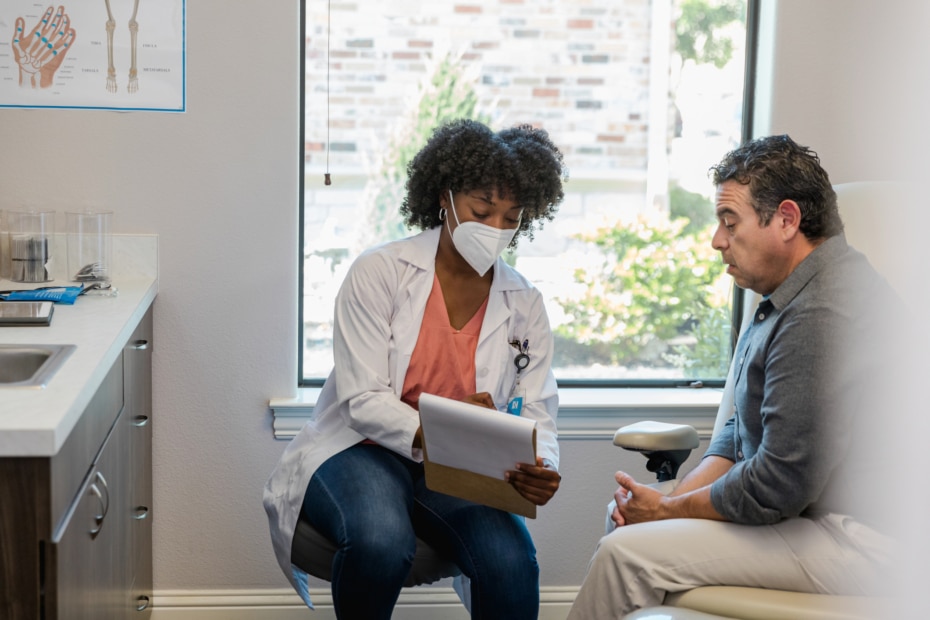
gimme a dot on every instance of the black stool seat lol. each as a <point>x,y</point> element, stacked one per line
<point>313,553</point>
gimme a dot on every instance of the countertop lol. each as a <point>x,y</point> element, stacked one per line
<point>37,421</point>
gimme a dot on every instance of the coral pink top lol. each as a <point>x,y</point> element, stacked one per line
<point>443,360</point>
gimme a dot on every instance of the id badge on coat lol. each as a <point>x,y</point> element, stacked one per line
<point>521,361</point>
<point>515,402</point>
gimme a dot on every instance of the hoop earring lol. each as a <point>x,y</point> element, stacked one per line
<point>442,214</point>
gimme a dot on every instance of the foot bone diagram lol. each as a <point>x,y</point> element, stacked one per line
<point>133,85</point>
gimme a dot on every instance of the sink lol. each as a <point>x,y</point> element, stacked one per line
<point>31,365</point>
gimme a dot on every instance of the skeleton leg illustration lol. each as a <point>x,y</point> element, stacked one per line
<point>134,35</point>
<point>111,69</point>
<point>133,85</point>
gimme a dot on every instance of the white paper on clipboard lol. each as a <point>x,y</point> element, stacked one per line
<point>474,438</point>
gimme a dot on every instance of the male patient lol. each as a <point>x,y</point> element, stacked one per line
<point>786,495</point>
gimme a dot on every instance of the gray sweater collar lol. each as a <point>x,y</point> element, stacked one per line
<point>824,254</point>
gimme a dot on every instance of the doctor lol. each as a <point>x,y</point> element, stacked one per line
<point>439,312</point>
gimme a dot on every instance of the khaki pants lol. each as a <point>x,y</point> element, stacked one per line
<point>636,565</point>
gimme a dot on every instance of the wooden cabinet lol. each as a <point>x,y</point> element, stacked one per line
<point>76,528</point>
<point>91,568</point>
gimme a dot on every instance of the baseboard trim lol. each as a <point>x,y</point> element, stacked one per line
<point>424,603</point>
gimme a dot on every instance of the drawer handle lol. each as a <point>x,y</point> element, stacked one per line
<point>106,489</point>
<point>140,513</point>
<point>139,345</point>
<point>140,420</point>
<point>142,603</point>
<point>101,514</point>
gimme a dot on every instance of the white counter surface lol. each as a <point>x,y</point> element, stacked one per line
<point>37,421</point>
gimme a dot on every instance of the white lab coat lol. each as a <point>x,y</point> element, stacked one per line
<point>379,310</point>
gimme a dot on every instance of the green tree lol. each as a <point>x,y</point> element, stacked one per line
<point>652,288</point>
<point>446,94</point>
<point>706,353</point>
<point>692,206</point>
<point>699,30</point>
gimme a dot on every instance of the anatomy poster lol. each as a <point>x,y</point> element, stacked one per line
<point>94,54</point>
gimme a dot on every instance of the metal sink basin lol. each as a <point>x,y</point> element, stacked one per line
<point>31,365</point>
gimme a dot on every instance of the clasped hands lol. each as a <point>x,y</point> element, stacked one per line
<point>636,503</point>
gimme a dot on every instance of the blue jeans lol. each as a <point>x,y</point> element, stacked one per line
<point>373,503</point>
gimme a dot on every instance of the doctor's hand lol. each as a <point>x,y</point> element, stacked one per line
<point>482,399</point>
<point>636,503</point>
<point>537,483</point>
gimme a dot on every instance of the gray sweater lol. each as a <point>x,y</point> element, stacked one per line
<point>808,392</point>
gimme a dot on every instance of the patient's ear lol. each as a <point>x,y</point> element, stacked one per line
<point>788,215</point>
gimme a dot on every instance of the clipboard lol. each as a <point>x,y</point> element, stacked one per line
<point>472,447</point>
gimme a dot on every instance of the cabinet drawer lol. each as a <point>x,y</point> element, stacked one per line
<point>70,466</point>
<point>82,579</point>
<point>89,560</point>
<point>137,375</point>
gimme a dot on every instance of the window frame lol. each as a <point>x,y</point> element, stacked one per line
<point>579,385</point>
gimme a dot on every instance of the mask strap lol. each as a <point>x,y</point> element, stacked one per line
<point>454,214</point>
<point>444,217</point>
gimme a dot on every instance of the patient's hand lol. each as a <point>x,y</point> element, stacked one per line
<point>537,483</point>
<point>636,503</point>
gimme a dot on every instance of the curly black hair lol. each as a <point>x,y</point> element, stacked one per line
<point>777,168</point>
<point>521,164</point>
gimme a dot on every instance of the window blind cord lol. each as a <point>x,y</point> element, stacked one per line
<point>327,180</point>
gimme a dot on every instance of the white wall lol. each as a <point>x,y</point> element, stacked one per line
<point>219,185</point>
<point>847,81</point>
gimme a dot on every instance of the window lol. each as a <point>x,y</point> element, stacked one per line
<point>641,96</point>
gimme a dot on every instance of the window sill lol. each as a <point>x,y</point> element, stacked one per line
<point>584,413</point>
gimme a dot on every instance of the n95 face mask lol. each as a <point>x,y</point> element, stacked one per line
<point>479,244</point>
